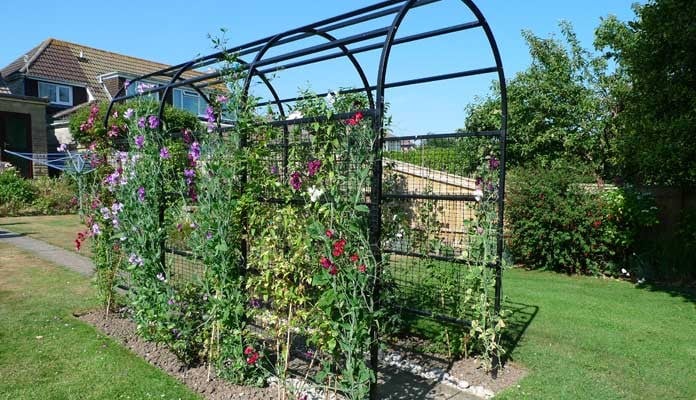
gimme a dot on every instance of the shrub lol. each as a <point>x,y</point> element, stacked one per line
<point>16,193</point>
<point>557,222</point>
<point>54,195</point>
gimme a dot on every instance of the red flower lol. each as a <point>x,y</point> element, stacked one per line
<point>248,350</point>
<point>339,247</point>
<point>597,224</point>
<point>251,360</point>
<point>329,233</point>
<point>362,268</point>
<point>325,262</point>
<point>354,258</point>
<point>78,244</point>
<point>355,119</point>
<point>333,270</point>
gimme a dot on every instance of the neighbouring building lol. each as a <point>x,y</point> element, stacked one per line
<point>42,88</point>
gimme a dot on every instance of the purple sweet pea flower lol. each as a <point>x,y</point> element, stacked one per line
<point>63,147</point>
<point>313,167</point>
<point>210,118</point>
<point>139,141</point>
<point>141,122</point>
<point>96,230</point>
<point>160,277</point>
<point>128,114</point>
<point>209,235</point>
<point>493,163</point>
<point>189,174</point>
<point>153,122</point>
<point>164,153</point>
<point>295,180</point>
<point>195,151</point>
<point>141,193</point>
<point>134,259</point>
<point>222,99</point>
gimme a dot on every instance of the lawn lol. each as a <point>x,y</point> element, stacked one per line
<point>59,230</point>
<point>590,338</point>
<point>578,337</point>
<point>46,353</point>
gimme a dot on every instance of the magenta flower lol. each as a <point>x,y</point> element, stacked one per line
<point>493,163</point>
<point>222,99</point>
<point>139,141</point>
<point>153,122</point>
<point>164,153</point>
<point>296,180</point>
<point>141,122</point>
<point>141,193</point>
<point>313,167</point>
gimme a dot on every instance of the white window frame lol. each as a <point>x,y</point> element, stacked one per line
<point>180,93</point>
<point>56,100</point>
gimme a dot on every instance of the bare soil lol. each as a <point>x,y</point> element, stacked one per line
<point>394,383</point>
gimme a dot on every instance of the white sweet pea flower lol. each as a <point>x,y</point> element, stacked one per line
<point>478,194</point>
<point>314,193</point>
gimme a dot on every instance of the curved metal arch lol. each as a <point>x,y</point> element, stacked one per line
<point>311,31</point>
<point>183,69</point>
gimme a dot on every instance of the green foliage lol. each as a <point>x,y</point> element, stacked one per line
<point>558,222</point>
<point>558,107</point>
<point>656,60</point>
<point>14,191</point>
<point>39,196</point>
<point>85,133</point>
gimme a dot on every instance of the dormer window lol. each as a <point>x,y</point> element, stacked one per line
<point>56,94</point>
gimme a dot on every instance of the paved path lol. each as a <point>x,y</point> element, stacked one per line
<point>49,252</point>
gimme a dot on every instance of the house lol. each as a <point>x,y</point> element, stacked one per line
<point>397,145</point>
<point>42,88</point>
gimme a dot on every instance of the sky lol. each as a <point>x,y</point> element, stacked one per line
<point>174,31</point>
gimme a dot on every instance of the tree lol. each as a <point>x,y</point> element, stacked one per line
<point>656,56</point>
<point>559,108</point>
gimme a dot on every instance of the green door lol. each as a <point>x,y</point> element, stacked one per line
<point>15,136</point>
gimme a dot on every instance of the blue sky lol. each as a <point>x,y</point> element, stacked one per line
<point>174,31</point>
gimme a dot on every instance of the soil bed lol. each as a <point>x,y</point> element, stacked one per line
<point>405,375</point>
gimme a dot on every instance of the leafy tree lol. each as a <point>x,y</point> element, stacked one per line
<point>560,108</point>
<point>656,58</point>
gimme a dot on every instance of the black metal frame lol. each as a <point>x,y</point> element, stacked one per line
<point>348,47</point>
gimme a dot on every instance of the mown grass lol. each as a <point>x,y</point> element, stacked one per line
<point>58,230</point>
<point>588,338</point>
<point>578,337</point>
<point>46,353</point>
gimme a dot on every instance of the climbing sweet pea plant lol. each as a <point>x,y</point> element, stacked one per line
<point>276,218</point>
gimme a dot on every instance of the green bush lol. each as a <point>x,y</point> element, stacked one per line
<point>15,193</point>
<point>557,222</point>
<point>54,195</point>
<point>43,195</point>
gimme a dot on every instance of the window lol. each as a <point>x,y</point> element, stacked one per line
<point>56,94</point>
<point>133,89</point>
<point>190,101</point>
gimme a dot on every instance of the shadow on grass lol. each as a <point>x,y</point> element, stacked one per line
<point>9,235</point>
<point>517,323</point>
<point>685,292</point>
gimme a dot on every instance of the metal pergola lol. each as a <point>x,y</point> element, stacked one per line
<point>252,56</point>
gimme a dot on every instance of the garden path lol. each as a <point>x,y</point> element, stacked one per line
<point>49,252</point>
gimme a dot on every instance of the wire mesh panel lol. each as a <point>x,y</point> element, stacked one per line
<point>432,186</point>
